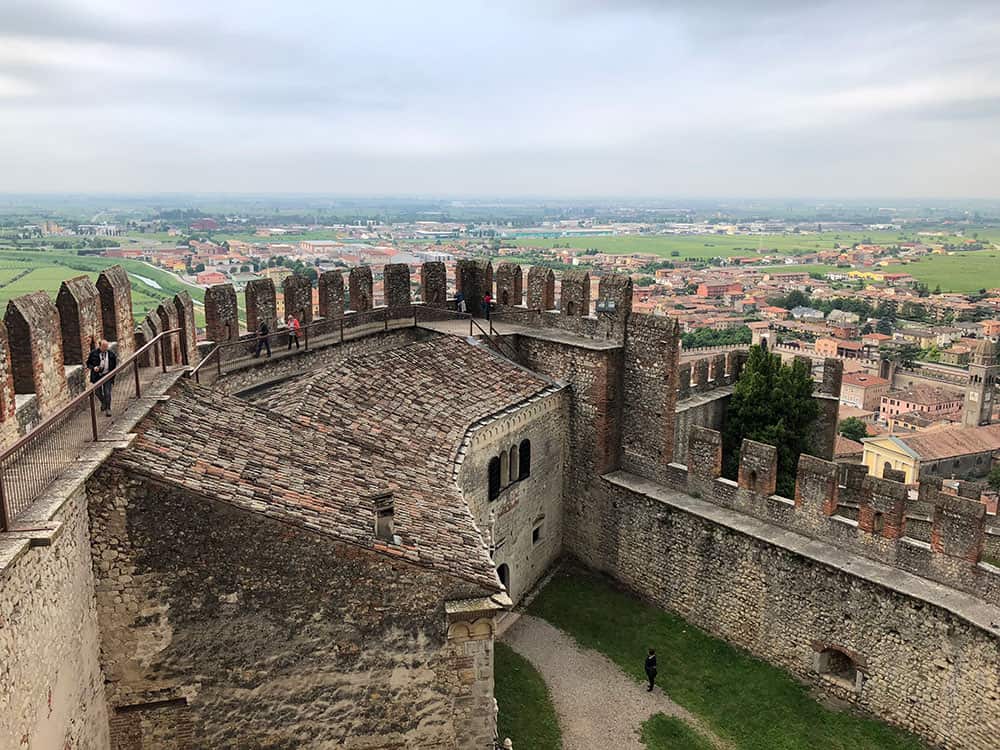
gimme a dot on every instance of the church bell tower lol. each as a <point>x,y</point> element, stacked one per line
<point>983,375</point>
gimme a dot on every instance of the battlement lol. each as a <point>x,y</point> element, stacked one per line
<point>845,506</point>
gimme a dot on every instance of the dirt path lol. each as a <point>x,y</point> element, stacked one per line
<point>598,705</point>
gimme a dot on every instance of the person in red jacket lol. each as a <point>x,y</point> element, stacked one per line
<point>293,331</point>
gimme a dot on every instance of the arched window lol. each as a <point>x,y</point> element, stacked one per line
<point>524,459</point>
<point>886,467</point>
<point>835,664</point>
<point>494,490</point>
<point>504,469</point>
<point>503,573</point>
<point>513,461</point>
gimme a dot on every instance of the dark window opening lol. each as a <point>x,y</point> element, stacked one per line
<point>886,467</point>
<point>504,297</point>
<point>494,480</point>
<point>839,665</point>
<point>503,573</point>
<point>536,534</point>
<point>571,308</point>
<point>753,480</point>
<point>524,459</point>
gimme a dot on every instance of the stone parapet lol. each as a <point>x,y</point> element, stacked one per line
<point>79,305</point>
<point>32,322</point>
<point>116,309</point>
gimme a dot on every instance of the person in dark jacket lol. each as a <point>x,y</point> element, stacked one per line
<point>100,362</point>
<point>651,669</point>
<point>263,334</point>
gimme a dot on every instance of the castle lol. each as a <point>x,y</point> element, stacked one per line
<point>315,549</point>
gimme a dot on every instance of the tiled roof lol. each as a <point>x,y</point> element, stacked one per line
<point>847,447</point>
<point>864,379</point>
<point>225,448</point>
<point>949,442</point>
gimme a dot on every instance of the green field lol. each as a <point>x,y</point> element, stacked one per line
<point>960,272</point>
<point>46,270</point>
<point>748,702</point>
<point>710,246</point>
<point>526,713</point>
<point>670,733</point>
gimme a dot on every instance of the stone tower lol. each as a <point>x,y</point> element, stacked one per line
<point>983,374</point>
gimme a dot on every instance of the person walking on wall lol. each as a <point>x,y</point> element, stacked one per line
<point>460,302</point>
<point>487,303</point>
<point>651,669</point>
<point>263,334</point>
<point>100,362</point>
<point>293,332</point>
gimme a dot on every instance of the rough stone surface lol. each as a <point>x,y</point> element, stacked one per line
<point>189,331</point>
<point>360,289</point>
<point>474,279</point>
<point>396,282</point>
<point>510,289</point>
<point>434,284</point>
<point>574,293</point>
<point>541,288</point>
<point>51,687</point>
<point>79,305</point>
<point>36,350</point>
<point>116,309</point>
<point>222,315</point>
<point>297,294</point>
<point>8,400</point>
<point>331,294</point>
<point>171,349</point>
<point>261,305</point>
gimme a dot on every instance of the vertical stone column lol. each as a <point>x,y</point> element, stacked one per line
<point>166,313</point>
<point>470,649</point>
<point>574,294</point>
<point>758,467</point>
<point>189,331</point>
<point>261,304</point>
<point>958,528</point>
<point>474,279</point>
<point>297,293</point>
<point>434,284</point>
<point>147,332</point>
<point>541,288</point>
<point>719,370</point>
<point>816,485</point>
<point>396,282</point>
<point>360,288</point>
<point>36,350</point>
<point>828,400</point>
<point>510,289</point>
<point>79,305</point>
<point>331,295</point>
<point>884,508</point>
<point>116,309</point>
<point>616,288</point>
<point>222,317</point>
<point>700,368</point>
<point>704,459</point>
<point>8,401</point>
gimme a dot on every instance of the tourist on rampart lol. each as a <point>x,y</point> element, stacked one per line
<point>100,362</point>
<point>460,302</point>
<point>293,332</point>
<point>263,334</point>
<point>487,304</point>
<point>651,669</point>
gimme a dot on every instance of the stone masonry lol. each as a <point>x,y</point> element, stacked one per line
<point>575,292</point>
<point>8,401</point>
<point>510,289</point>
<point>474,279</point>
<point>541,288</point>
<point>189,331</point>
<point>331,294</point>
<point>434,284</point>
<point>360,289</point>
<point>79,305</point>
<point>36,350</point>
<point>261,305</point>
<point>297,293</point>
<point>116,309</point>
<point>222,315</point>
<point>166,312</point>
<point>396,282</point>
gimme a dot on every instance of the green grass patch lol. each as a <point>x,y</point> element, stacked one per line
<point>661,732</point>
<point>526,712</point>
<point>747,701</point>
<point>959,272</point>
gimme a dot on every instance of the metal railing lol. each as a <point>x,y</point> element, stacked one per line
<point>30,465</point>
<point>492,336</point>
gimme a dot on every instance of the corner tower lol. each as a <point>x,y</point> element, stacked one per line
<point>983,374</point>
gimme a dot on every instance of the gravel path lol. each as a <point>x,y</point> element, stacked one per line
<point>598,705</point>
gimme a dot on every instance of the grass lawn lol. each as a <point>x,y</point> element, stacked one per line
<point>662,732</point>
<point>745,700</point>
<point>961,272</point>
<point>526,712</point>
<point>709,246</point>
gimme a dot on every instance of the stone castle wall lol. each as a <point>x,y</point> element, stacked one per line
<point>202,605</point>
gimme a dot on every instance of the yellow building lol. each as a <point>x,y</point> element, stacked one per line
<point>890,451</point>
<point>958,452</point>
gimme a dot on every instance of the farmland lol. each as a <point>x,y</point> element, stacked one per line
<point>959,272</point>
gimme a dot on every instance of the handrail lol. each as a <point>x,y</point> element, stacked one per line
<point>491,336</point>
<point>215,354</point>
<point>57,434</point>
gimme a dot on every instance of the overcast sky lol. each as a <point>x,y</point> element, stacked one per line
<point>699,98</point>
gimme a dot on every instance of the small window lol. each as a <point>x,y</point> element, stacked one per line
<point>536,534</point>
<point>513,461</point>
<point>503,573</point>
<point>524,459</point>
<point>494,478</point>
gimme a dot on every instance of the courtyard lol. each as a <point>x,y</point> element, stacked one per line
<point>569,675</point>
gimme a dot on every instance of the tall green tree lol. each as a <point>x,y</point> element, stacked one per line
<point>771,403</point>
<point>853,428</point>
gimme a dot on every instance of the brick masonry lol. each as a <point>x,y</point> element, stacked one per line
<point>261,305</point>
<point>360,289</point>
<point>167,313</point>
<point>79,305</point>
<point>222,315</point>
<point>116,309</point>
<point>297,295</point>
<point>541,288</point>
<point>36,350</point>
<point>396,282</point>
<point>574,288</point>
<point>189,331</point>
<point>434,284</point>
<point>510,284</point>
<point>331,294</point>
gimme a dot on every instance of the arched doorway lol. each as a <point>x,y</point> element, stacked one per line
<point>503,573</point>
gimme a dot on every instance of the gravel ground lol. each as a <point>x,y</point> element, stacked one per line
<point>598,705</point>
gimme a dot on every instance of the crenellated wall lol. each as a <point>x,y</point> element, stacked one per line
<point>434,284</point>
<point>331,294</point>
<point>396,282</point>
<point>296,292</point>
<point>261,304</point>
<point>360,287</point>
<point>36,350</point>
<point>510,285</point>
<point>222,315</point>
<point>80,321</point>
<point>116,309</point>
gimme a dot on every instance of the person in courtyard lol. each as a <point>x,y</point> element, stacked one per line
<point>460,302</point>
<point>293,331</point>
<point>651,669</point>
<point>100,362</point>
<point>487,303</point>
<point>263,332</point>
